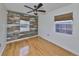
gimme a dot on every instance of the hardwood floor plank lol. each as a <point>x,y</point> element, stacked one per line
<point>37,47</point>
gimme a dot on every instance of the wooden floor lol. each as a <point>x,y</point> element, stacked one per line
<point>38,47</point>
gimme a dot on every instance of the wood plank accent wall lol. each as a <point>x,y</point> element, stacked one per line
<point>68,16</point>
<point>13,25</point>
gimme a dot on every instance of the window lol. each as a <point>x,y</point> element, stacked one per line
<point>24,25</point>
<point>64,26</point>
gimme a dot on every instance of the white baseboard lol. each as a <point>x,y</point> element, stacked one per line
<point>77,54</point>
<point>21,39</point>
<point>2,50</point>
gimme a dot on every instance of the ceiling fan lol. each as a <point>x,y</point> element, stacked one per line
<point>35,9</point>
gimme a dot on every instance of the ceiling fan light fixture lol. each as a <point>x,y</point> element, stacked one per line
<point>35,9</point>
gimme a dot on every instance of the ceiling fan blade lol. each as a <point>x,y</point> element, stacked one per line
<point>29,11</point>
<point>28,7</point>
<point>41,11</point>
<point>39,5</point>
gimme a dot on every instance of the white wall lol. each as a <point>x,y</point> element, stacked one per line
<point>3,22</point>
<point>47,28</point>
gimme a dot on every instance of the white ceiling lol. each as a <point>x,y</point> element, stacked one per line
<point>19,7</point>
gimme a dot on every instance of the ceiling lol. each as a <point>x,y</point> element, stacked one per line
<point>19,7</point>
